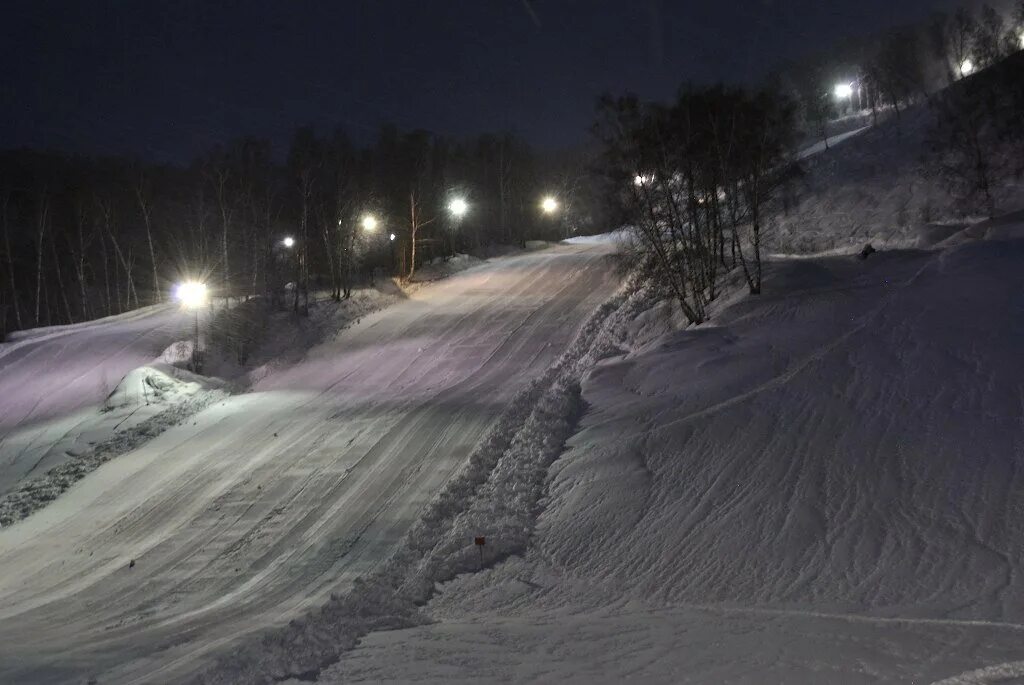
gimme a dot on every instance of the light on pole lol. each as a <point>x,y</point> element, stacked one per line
<point>369,223</point>
<point>288,242</point>
<point>549,205</point>
<point>966,67</point>
<point>192,295</point>
<point>458,207</point>
<point>843,91</point>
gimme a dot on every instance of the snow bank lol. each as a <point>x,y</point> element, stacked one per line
<point>442,268</point>
<point>146,402</point>
<point>496,495</point>
<point>825,485</point>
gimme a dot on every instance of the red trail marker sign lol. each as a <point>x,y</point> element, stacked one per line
<point>480,541</point>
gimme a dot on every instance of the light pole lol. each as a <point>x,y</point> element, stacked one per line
<point>289,243</point>
<point>369,224</point>
<point>551,208</point>
<point>192,295</point>
<point>844,91</point>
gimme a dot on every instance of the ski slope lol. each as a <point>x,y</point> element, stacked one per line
<point>260,506</point>
<point>52,380</point>
<point>824,485</point>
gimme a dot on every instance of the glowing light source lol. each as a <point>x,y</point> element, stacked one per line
<point>191,294</point>
<point>549,205</point>
<point>966,67</point>
<point>642,180</point>
<point>392,236</point>
<point>369,223</point>
<point>288,241</point>
<point>843,90</point>
<point>458,207</point>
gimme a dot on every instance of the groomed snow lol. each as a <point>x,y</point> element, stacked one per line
<point>253,511</point>
<point>825,485</point>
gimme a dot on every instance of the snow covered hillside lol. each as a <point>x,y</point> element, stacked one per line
<point>53,380</point>
<point>875,185</point>
<point>825,485</point>
<point>254,510</point>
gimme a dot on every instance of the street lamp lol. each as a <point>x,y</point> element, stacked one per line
<point>369,223</point>
<point>966,67</point>
<point>192,295</point>
<point>288,242</point>
<point>392,237</point>
<point>458,207</point>
<point>549,205</point>
<point>843,91</point>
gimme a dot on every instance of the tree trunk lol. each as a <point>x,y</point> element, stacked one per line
<point>44,210</point>
<point>10,261</point>
<point>144,208</point>
<point>412,233</point>
<point>60,281</point>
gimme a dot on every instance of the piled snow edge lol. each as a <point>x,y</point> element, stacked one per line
<point>497,495</point>
<point>34,494</point>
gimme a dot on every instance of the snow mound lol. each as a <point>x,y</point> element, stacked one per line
<point>156,384</point>
<point>440,267</point>
<point>880,465</point>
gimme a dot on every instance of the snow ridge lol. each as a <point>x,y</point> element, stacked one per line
<point>36,493</point>
<point>498,495</point>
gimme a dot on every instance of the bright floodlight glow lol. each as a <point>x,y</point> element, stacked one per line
<point>369,223</point>
<point>458,207</point>
<point>642,179</point>
<point>191,294</point>
<point>392,236</point>
<point>549,205</point>
<point>966,67</point>
<point>843,90</point>
<point>288,241</point>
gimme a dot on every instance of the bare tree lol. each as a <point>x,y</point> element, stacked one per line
<point>42,223</point>
<point>5,218</point>
<point>143,194</point>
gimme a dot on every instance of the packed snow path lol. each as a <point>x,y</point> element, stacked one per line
<point>260,506</point>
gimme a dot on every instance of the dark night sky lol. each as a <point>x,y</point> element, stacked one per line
<point>165,78</point>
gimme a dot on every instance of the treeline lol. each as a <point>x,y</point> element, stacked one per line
<point>84,237</point>
<point>892,70</point>
<point>699,181</point>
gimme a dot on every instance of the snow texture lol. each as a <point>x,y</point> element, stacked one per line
<point>825,485</point>
<point>876,186</point>
<point>254,511</point>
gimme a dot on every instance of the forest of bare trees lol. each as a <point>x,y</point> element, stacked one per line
<point>702,178</point>
<point>83,238</point>
<point>699,180</point>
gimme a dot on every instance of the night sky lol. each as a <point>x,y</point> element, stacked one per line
<point>165,79</point>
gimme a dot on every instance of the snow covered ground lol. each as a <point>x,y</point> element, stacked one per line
<point>825,485</point>
<point>256,509</point>
<point>53,380</point>
<point>874,185</point>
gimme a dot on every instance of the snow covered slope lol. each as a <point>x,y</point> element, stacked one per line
<point>257,508</point>
<point>874,185</point>
<point>52,380</point>
<point>827,485</point>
